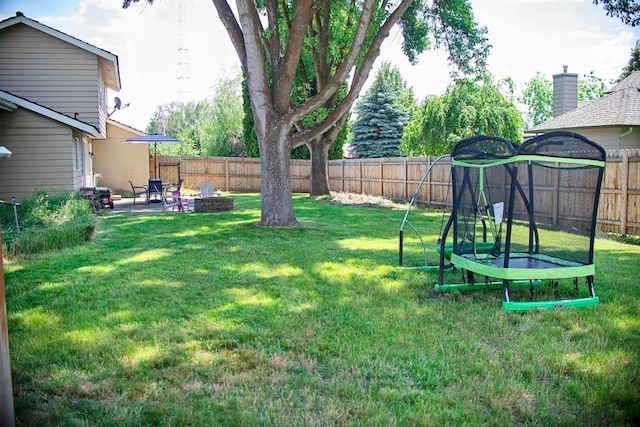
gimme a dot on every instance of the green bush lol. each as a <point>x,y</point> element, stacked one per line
<point>46,223</point>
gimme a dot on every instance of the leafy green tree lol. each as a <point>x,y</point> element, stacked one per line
<point>248,127</point>
<point>377,130</point>
<point>538,98</point>
<point>591,87</point>
<point>468,107</point>
<point>221,130</point>
<point>179,120</point>
<point>538,95</point>
<point>628,11</point>
<point>633,64</point>
<point>270,39</point>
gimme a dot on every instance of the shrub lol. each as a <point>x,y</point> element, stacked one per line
<point>46,223</point>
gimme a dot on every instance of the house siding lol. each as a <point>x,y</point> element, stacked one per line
<point>52,73</point>
<point>631,138</point>
<point>43,156</point>
<point>607,138</point>
<point>119,162</point>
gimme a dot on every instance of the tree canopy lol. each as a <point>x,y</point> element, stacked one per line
<point>468,107</point>
<point>538,98</point>
<point>211,127</point>
<point>628,11</point>
<point>633,64</point>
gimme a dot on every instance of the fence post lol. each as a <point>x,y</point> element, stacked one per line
<point>429,192</point>
<point>406,180</point>
<point>360,173</point>
<point>624,192</point>
<point>381,178</point>
<point>556,197</point>
<point>227,184</point>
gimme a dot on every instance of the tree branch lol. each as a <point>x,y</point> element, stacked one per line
<point>273,41</point>
<point>233,29</point>
<point>358,81</point>
<point>344,46</point>
<point>283,79</point>
<point>322,70</point>
<point>255,70</point>
<point>342,72</point>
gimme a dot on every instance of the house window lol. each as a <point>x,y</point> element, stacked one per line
<point>102,92</point>
<point>79,153</point>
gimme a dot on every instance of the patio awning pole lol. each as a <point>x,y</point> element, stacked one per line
<point>155,165</point>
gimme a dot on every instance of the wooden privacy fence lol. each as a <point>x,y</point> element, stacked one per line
<point>397,179</point>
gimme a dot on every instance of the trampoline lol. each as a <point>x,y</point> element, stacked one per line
<point>506,197</point>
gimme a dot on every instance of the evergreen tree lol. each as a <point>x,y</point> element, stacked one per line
<point>377,130</point>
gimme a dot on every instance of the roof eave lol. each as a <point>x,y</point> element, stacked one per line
<point>7,97</point>
<point>111,65</point>
<point>126,127</point>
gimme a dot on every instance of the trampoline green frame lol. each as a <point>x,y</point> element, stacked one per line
<point>513,269</point>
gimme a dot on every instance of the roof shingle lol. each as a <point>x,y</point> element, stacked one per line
<point>620,106</point>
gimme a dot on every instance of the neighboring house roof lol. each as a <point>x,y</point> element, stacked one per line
<point>108,61</point>
<point>125,127</point>
<point>620,106</point>
<point>11,102</point>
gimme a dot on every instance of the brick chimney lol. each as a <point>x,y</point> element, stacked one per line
<point>565,92</point>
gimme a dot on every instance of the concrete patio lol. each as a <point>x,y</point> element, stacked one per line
<point>126,206</point>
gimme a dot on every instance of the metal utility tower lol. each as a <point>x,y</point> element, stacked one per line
<point>183,54</point>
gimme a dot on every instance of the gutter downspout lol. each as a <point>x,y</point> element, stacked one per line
<point>627,133</point>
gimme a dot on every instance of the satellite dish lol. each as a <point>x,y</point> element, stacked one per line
<point>117,102</point>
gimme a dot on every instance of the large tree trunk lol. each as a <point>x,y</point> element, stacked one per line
<point>275,181</point>
<point>319,150</point>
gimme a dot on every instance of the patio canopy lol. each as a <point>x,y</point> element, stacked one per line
<point>155,140</point>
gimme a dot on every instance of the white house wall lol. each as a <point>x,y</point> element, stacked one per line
<point>119,162</point>
<point>607,137</point>
<point>42,155</point>
<point>53,73</point>
<point>630,137</point>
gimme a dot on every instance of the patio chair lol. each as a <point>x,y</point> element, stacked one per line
<point>155,189</point>
<point>138,190</point>
<point>174,201</point>
<point>174,187</point>
<point>208,190</point>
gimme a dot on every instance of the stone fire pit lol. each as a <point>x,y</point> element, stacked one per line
<point>213,204</point>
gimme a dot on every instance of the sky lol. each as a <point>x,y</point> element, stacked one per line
<point>177,50</point>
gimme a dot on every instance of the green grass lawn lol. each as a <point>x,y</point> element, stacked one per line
<point>207,319</point>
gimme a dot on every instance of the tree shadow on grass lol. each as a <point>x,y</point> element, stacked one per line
<point>210,320</point>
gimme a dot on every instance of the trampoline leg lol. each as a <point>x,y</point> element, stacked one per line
<point>531,289</point>
<point>505,289</point>
<point>592,290</point>
<point>470,277</point>
<point>401,244</point>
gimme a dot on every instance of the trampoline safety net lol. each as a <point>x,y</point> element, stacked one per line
<point>509,202</point>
